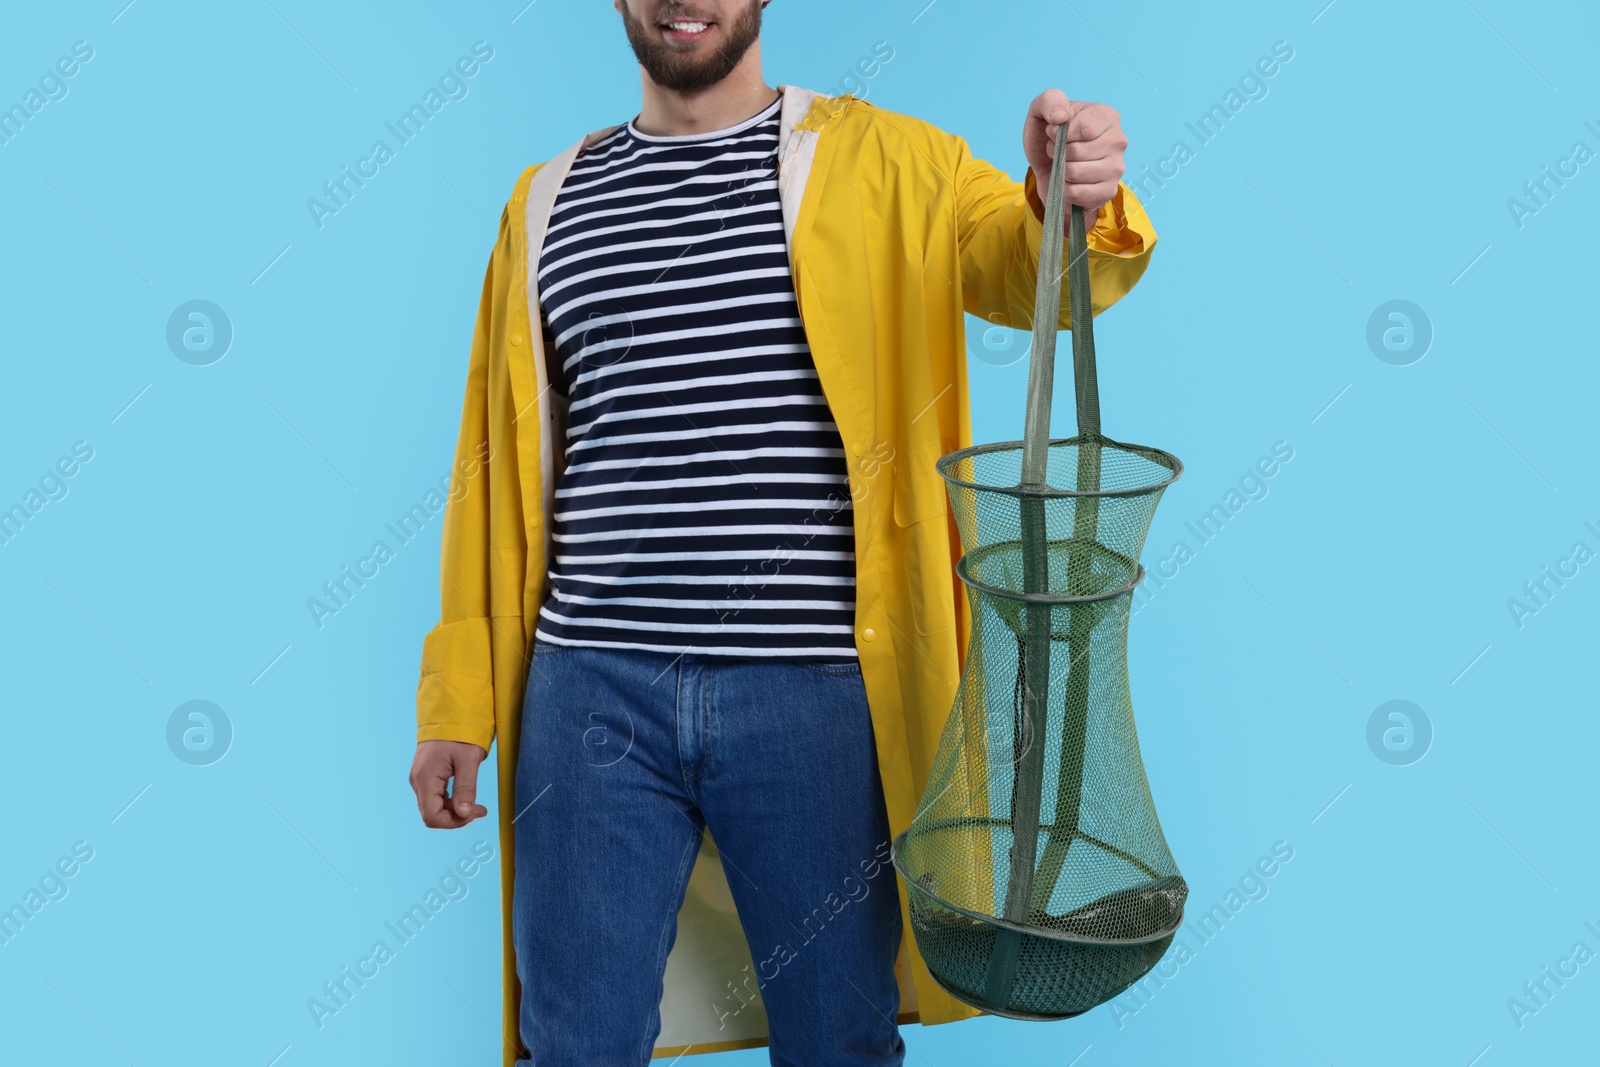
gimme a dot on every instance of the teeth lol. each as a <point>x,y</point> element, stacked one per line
<point>689,27</point>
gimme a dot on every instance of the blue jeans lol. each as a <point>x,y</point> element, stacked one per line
<point>627,757</point>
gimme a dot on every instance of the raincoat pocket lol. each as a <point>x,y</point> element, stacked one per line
<point>921,510</point>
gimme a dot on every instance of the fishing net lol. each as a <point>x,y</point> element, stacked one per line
<point>1040,882</point>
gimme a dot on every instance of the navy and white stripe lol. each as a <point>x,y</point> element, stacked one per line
<point>704,506</point>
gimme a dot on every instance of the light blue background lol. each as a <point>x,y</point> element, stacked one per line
<point>1378,166</point>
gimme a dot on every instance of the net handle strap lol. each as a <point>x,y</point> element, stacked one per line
<point>1047,311</point>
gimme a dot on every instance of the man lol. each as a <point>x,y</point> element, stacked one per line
<point>699,581</point>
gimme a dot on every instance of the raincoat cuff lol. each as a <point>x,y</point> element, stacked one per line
<point>1121,229</point>
<point>455,693</point>
<point>483,737</point>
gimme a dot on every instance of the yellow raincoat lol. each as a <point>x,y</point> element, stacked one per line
<point>895,232</point>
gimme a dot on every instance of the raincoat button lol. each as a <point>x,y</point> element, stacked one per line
<point>868,634</point>
<point>517,199</point>
<point>516,338</point>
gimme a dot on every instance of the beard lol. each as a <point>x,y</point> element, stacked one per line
<point>686,72</point>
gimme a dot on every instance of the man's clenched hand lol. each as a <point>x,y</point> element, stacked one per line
<point>435,763</point>
<point>1095,142</point>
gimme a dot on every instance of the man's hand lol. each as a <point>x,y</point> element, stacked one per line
<point>1095,141</point>
<point>435,763</point>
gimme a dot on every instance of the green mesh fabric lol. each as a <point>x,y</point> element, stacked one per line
<point>1039,879</point>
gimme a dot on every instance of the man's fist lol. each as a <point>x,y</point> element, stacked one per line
<point>1095,142</point>
<point>435,764</point>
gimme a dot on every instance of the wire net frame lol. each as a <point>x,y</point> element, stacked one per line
<point>1040,881</point>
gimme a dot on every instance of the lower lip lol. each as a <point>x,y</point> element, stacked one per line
<point>680,36</point>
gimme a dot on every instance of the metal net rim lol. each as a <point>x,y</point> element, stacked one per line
<point>1125,589</point>
<point>914,886</point>
<point>1159,457</point>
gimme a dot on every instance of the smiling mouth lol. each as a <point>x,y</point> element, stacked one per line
<point>685,29</point>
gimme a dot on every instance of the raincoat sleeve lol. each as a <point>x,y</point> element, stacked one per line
<point>999,224</point>
<point>455,694</point>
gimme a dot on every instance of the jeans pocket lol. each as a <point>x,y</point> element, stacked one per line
<point>848,668</point>
<point>544,648</point>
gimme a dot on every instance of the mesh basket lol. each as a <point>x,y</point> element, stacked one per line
<point>1039,880</point>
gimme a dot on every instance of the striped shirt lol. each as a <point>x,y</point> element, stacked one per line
<point>704,506</point>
